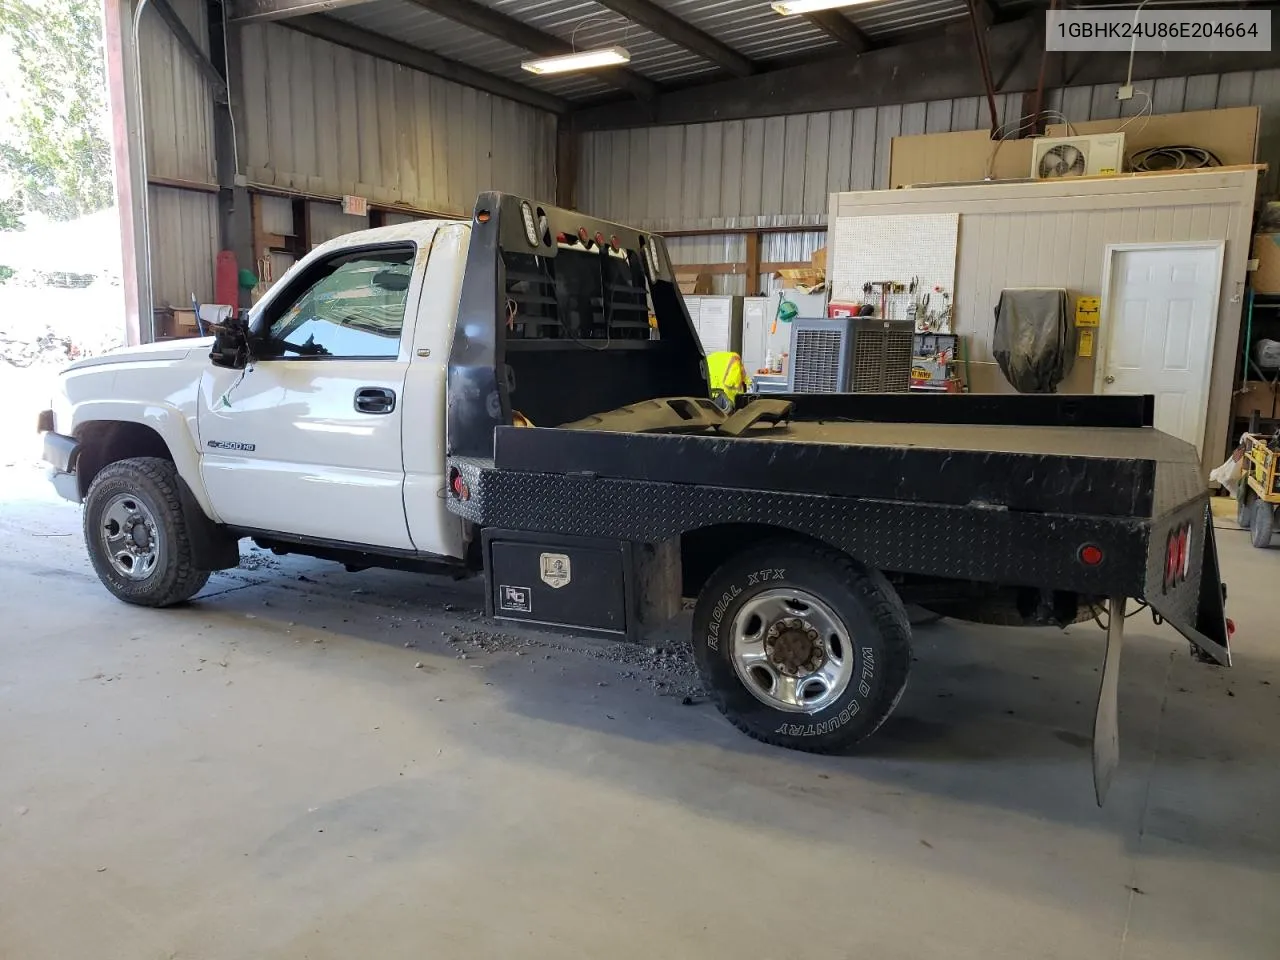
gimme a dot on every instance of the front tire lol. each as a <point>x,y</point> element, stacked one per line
<point>1246,506</point>
<point>137,536</point>
<point>1263,525</point>
<point>801,646</point>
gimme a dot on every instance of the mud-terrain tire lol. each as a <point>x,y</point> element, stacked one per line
<point>783,592</point>
<point>151,564</point>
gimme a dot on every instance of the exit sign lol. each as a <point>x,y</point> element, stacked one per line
<point>355,206</point>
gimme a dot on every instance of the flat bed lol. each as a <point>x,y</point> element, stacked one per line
<point>805,522</point>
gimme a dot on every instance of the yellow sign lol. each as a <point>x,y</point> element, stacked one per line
<point>1085,348</point>
<point>1088,310</point>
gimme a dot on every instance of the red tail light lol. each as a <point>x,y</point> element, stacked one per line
<point>1177,558</point>
<point>1091,555</point>
<point>458,486</point>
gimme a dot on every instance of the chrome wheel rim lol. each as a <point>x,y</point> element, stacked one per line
<point>130,537</point>
<point>792,651</point>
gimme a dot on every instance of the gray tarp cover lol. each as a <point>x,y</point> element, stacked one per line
<point>1035,339</point>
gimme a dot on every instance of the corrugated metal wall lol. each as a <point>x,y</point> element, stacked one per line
<point>175,96</point>
<point>780,170</point>
<point>326,120</point>
<point>178,133</point>
<point>184,242</point>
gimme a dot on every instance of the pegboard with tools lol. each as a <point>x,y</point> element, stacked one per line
<point>901,267</point>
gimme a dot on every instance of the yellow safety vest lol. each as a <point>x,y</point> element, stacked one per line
<point>728,376</point>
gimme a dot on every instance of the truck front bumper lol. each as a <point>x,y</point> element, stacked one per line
<point>61,453</point>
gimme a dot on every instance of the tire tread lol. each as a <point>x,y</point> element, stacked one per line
<point>884,605</point>
<point>182,580</point>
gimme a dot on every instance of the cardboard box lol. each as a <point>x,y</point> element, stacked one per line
<point>694,285</point>
<point>967,156</point>
<point>806,281</point>
<point>1257,395</point>
<point>820,259</point>
<point>1266,250</point>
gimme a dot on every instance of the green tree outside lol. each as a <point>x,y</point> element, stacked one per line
<point>55,158</point>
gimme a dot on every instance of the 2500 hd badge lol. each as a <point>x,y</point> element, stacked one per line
<point>232,445</point>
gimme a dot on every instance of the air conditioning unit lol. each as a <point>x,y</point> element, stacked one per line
<point>851,355</point>
<point>1057,158</point>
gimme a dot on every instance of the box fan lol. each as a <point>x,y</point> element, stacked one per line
<point>1057,158</point>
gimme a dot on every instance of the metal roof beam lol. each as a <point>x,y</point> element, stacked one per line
<point>682,33</point>
<point>836,25</point>
<point>939,67</point>
<point>519,34</point>
<point>376,45</point>
<point>246,11</point>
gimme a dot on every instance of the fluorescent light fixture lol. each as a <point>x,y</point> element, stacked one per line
<point>582,60</point>
<point>790,7</point>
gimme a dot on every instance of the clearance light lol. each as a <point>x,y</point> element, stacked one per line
<point>530,229</point>
<point>650,260</point>
<point>582,60</point>
<point>1091,555</point>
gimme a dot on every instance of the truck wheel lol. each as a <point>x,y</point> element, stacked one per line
<point>137,536</point>
<point>1246,506</point>
<point>1263,525</point>
<point>802,647</point>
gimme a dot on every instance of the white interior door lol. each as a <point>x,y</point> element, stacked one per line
<point>1158,330</point>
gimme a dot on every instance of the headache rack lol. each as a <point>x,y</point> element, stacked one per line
<point>586,293</point>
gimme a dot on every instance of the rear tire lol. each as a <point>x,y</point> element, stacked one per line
<point>779,594</point>
<point>153,568</point>
<point>1263,525</point>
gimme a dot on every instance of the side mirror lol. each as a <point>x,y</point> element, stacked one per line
<point>232,342</point>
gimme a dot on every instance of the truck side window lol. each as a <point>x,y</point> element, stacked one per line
<point>354,307</point>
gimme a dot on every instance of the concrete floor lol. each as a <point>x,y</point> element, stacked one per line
<point>267,774</point>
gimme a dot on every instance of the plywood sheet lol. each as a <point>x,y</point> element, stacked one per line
<point>949,157</point>
<point>1231,134</point>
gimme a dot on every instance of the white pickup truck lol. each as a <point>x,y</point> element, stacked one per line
<point>523,395</point>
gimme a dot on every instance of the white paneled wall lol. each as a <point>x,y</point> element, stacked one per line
<point>1055,234</point>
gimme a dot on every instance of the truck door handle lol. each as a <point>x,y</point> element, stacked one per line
<point>375,400</point>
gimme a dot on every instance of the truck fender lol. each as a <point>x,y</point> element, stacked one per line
<point>169,422</point>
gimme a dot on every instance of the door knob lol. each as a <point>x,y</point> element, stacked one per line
<point>1110,380</point>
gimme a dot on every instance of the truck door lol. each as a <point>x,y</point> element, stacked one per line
<point>308,443</point>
